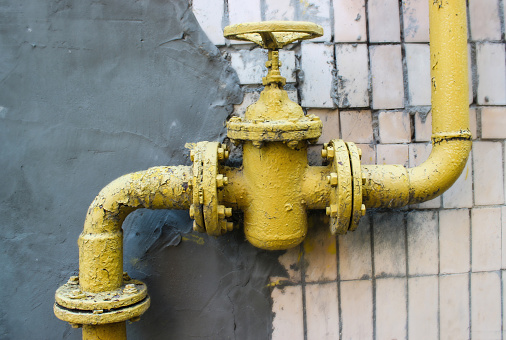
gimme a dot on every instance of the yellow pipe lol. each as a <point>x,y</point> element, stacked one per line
<point>101,242</point>
<point>393,185</point>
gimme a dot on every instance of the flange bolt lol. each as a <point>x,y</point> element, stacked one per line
<point>332,179</point>
<point>221,181</point>
<point>332,210</point>
<point>130,289</point>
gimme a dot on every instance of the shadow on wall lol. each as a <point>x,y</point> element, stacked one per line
<point>90,91</point>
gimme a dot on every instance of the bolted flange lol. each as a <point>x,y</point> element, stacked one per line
<point>345,180</point>
<point>206,209</point>
<point>79,307</point>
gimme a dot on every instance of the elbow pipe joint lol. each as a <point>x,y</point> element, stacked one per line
<point>103,294</point>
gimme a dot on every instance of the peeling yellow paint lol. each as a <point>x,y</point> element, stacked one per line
<point>275,186</point>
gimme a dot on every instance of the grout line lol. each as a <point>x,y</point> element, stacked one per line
<point>303,287</point>
<point>368,42</point>
<point>338,282</point>
<point>502,19</point>
<point>403,55</point>
<point>405,221</point>
<point>263,7</point>
<point>501,280</point>
<point>332,21</point>
<point>470,270</point>
<point>436,214</point>
<point>373,277</point>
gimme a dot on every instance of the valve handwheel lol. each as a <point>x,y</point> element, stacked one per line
<point>273,34</point>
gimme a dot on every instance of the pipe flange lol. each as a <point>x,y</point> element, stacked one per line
<point>289,131</point>
<point>358,209</point>
<point>340,181</point>
<point>195,211</point>
<point>345,180</point>
<point>79,307</point>
<point>210,216</point>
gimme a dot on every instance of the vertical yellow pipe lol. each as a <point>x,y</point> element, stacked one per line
<point>393,185</point>
<point>101,242</point>
<point>112,331</point>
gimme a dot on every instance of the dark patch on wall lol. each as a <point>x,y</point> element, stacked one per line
<point>90,91</point>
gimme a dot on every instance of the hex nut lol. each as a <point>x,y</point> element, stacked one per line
<point>221,211</point>
<point>332,179</point>
<point>130,289</point>
<point>192,211</point>
<point>332,210</point>
<point>221,181</point>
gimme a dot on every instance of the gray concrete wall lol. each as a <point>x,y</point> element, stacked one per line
<point>89,91</point>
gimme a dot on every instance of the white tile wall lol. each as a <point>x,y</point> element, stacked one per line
<point>317,65</point>
<point>352,65</point>
<point>418,63</point>
<point>415,20</point>
<point>485,306</point>
<point>491,73</point>
<point>485,21</point>
<point>349,21</point>
<point>383,18</point>
<point>391,311</point>
<point>423,308</point>
<point>387,77</point>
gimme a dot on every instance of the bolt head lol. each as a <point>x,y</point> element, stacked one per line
<point>359,153</point>
<point>332,210</point>
<point>130,289</point>
<point>221,154</point>
<point>221,211</point>
<point>228,212</point>
<point>126,277</point>
<point>332,179</point>
<point>324,153</point>
<point>363,209</point>
<point>221,181</point>
<point>330,152</point>
<point>292,144</point>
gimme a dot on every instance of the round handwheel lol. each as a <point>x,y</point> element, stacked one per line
<point>273,34</point>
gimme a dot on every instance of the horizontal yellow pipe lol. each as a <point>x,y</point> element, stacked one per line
<point>393,185</point>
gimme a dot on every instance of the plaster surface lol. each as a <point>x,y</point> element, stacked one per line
<point>89,91</point>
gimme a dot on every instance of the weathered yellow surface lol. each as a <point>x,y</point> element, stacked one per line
<point>275,186</point>
<point>394,186</point>
<point>115,331</point>
<point>102,287</point>
<point>101,242</point>
<point>273,34</point>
